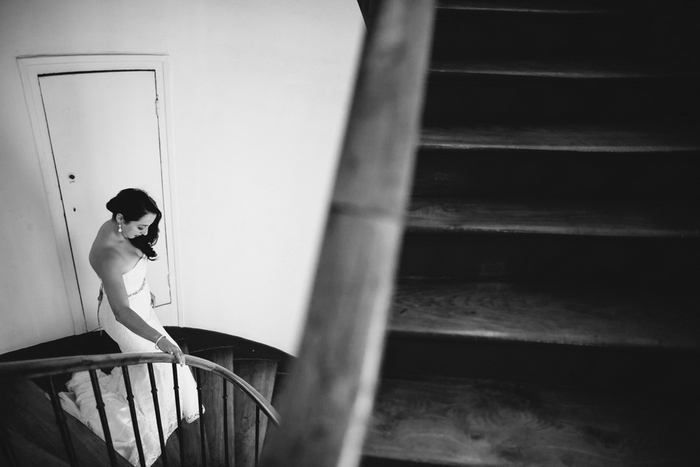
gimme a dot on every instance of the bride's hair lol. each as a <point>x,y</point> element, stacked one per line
<point>133,204</point>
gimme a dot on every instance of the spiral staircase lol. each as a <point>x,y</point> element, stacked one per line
<point>546,308</point>
<point>230,432</point>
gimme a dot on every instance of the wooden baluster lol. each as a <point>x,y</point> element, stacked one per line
<point>132,409</point>
<point>154,391</point>
<point>103,417</point>
<point>331,389</point>
<point>257,434</point>
<point>180,430</point>
<point>202,439</point>
<point>226,442</point>
<point>61,422</point>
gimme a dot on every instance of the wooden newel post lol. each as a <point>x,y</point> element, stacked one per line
<point>329,396</point>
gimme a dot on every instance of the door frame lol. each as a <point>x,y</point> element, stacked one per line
<point>31,68</point>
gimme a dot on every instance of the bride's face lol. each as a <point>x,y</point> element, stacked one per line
<point>138,227</point>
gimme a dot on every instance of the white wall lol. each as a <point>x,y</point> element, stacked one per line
<point>258,94</point>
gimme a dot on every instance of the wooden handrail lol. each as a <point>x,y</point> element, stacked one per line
<point>330,392</point>
<point>32,369</point>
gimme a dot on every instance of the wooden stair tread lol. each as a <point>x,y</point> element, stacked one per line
<point>551,314</point>
<point>558,69</point>
<point>478,423</point>
<point>571,138</point>
<point>552,217</point>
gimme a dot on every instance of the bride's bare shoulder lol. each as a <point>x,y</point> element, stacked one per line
<point>105,252</point>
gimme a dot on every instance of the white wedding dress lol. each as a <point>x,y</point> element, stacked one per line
<point>114,390</point>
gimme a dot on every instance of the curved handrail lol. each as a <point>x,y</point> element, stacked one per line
<point>30,369</point>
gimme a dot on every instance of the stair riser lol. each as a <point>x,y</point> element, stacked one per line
<point>507,34</point>
<point>662,30</point>
<point>556,258</point>
<point>416,357</point>
<point>503,172</point>
<point>526,99</point>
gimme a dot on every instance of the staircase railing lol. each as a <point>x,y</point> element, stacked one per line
<point>329,395</point>
<point>51,367</point>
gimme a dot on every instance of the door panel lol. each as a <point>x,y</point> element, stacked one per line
<point>104,133</point>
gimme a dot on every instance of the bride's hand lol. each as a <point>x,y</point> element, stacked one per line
<point>168,347</point>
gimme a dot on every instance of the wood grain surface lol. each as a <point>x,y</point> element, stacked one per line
<point>487,423</point>
<point>579,7</point>
<point>593,315</point>
<point>554,68</point>
<point>555,216</point>
<point>612,138</point>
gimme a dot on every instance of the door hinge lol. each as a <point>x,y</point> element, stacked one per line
<point>157,107</point>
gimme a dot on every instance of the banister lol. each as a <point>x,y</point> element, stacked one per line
<point>329,395</point>
<point>32,369</point>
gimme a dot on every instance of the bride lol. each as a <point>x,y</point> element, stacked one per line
<point>119,255</point>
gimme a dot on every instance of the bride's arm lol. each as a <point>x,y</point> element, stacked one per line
<point>109,266</point>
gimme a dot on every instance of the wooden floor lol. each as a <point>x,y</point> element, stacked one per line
<point>489,423</point>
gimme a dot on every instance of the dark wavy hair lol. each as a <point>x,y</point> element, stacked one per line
<point>133,204</point>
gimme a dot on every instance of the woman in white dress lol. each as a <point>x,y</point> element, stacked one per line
<point>119,255</point>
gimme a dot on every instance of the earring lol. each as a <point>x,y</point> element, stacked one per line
<point>120,228</point>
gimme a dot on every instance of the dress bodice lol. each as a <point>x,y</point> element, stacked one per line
<point>135,279</point>
<point>136,288</point>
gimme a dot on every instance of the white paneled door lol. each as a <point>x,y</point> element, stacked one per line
<point>104,134</point>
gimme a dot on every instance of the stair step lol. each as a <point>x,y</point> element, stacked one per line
<point>645,177</point>
<point>481,422</point>
<point>514,29</point>
<point>539,6</point>
<point>573,315</point>
<point>526,257</point>
<point>572,69</point>
<point>624,367</point>
<point>584,138</point>
<point>520,95</point>
<point>546,216</point>
<point>509,29</point>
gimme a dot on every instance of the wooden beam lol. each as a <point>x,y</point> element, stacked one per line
<point>329,397</point>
